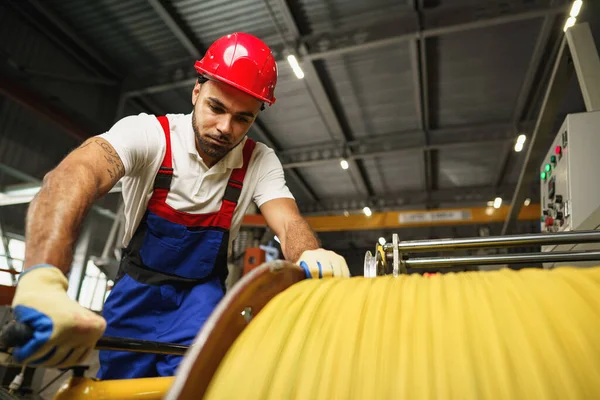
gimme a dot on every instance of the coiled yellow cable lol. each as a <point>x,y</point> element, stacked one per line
<point>531,334</point>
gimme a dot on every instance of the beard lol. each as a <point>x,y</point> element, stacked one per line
<point>210,148</point>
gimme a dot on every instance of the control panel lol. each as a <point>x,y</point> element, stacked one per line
<point>569,179</point>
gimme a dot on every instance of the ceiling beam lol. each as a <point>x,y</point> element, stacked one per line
<point>322,100</point>
<point>418,58</point>
<point>339,43</point>
<point>456,195</point>
<point>395,143</point>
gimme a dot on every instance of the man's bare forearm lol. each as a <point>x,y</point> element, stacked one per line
<point>299,237</point>
<point>55,215</point>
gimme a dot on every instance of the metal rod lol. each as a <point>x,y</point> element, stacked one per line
<point>504,259</point>
<point>498,241</point>
<point>139,346</point>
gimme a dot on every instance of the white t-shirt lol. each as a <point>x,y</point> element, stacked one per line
<point>140,142</point>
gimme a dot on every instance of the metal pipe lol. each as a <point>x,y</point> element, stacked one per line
<point>504,259</point>
<point>575,237</point>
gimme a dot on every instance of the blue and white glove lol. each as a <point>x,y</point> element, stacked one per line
<point>321,263</point>
<point>64,331</point>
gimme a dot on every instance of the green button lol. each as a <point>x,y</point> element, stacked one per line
<point>548,167</point>
<point>553,159</point>
<point>543,176</point>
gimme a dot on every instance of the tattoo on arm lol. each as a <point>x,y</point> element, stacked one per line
<point>110,156</point>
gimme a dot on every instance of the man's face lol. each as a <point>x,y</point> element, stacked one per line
<point>221,118</point>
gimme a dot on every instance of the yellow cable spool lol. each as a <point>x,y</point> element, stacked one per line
<point>531,334</point>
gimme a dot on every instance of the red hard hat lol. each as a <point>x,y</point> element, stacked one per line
<point>243,61</point>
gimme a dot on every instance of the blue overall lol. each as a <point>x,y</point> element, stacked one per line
<point>171,277</point>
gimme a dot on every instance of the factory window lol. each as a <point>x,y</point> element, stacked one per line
<point>16,249</point>
<point>94,288</point>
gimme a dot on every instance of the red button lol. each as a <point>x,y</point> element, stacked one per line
<point>549,221</point>
<point>558,150</point>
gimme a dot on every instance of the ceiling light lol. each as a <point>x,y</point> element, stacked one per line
<point>527,202</point>
<point>346,213</point>
<point>490,204</point>
<point>344,164</point>
<point>497,202</point>
<point>521,139</point>
<point>575,8</point>
<point>518,147</point>
<point>367,211</point>
<point>570,22</point>
<point>295,66</point>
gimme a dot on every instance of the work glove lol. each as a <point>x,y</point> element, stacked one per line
<point>64,331</point>
<point>321,263</point>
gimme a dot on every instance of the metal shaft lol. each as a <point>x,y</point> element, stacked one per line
<point>139,346</point>
<point>504,259</point>
<point>498,241</point>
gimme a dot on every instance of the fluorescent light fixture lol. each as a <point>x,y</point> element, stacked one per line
<point>575,8</point>
<point>518,147</point>
<point>344,164</point>
<point>17,190</point>
<point>520,142</point>
<point>367,211</point>
<point>570,22</point>
<point>295,66</point>
<point>497,202</point>
<point>381,241</point>
<point>527,202</point>
<point>24,193</point>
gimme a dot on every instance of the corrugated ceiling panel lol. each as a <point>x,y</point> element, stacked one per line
<point>211,19</point>
<point>394,173</point>
<point>324,16</point>
<point>129,33</point>
<point>294,119</point>
<point>473,166</point>
<point>36,60</point>
<point>329,181</point>
<point>377,90</point>
<point>475,76</point>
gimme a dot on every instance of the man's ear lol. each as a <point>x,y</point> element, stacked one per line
<point>196,92</point>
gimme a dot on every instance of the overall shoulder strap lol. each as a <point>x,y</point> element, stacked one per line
<point>234,187</point>
<point>165,172</point>
<point>236,179</point>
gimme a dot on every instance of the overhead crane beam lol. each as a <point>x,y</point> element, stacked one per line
<point>407,219</point>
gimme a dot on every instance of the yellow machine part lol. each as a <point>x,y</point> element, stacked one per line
<point>529,334</point>
<point>121,389</point>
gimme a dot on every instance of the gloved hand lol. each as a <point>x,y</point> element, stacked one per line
<point>321,263</point>
<point>64,331</point>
